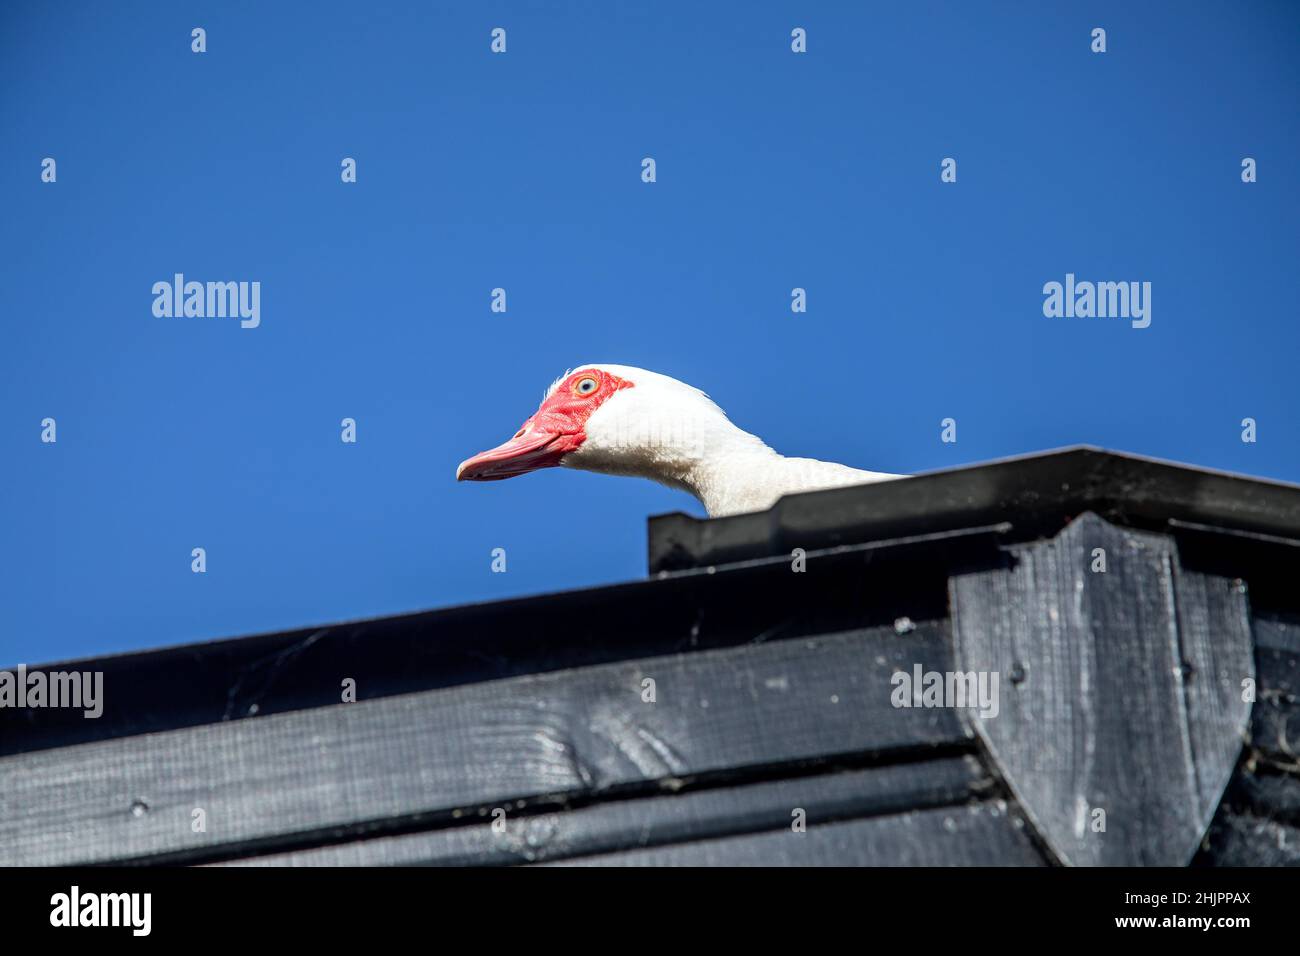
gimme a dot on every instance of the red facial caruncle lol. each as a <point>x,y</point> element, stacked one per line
<point>555,429</point>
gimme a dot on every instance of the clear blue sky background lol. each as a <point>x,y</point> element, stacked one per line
<point>523,171</point>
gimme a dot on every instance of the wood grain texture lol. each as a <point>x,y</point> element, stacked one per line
<point>982,834</point>
<point>666,818</point>
<point>1130,692</point>
<point>325,773</point>
<point>254,677</point>
<point>1275,725</point>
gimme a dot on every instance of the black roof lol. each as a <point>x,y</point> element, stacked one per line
<point>744,704</point>
<point>1036,494</point>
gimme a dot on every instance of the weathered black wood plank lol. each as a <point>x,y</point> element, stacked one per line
<point>667,818</point>
<point>256,676</point>
<point>982,834</point>
<point>1034,492</point>
<point>1277,633</point>
<point>1275,723</point>
<point>1125,714</point>
<point>355,768</point>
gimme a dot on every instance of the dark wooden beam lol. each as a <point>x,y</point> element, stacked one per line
<point>981,834</point>
<point>666,818</point>
<point>328,773</point>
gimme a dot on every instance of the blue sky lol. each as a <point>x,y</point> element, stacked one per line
<point>522,171</point>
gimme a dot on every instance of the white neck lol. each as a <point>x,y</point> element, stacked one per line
<point>728,471</point>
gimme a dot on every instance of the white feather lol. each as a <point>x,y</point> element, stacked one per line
<point>670,432</point>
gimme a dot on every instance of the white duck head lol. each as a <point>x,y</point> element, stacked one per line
<point>620,420</point>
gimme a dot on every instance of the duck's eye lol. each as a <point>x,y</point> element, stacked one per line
<point>585,386</point>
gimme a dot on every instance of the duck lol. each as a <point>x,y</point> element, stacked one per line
<point>621,420</point>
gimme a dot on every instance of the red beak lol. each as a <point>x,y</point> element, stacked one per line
<point>528,451</point>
